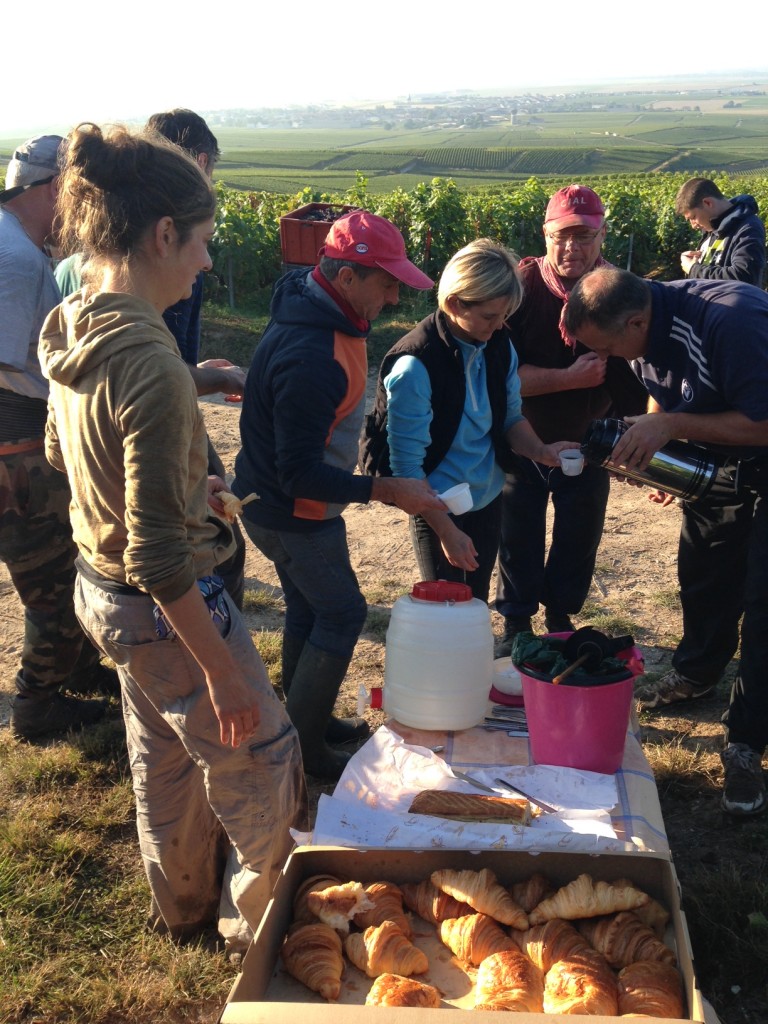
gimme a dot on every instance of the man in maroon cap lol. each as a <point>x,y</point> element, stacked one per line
<point>564,387</point>
<point>302,413</point>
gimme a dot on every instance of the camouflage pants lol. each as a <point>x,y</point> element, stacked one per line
<point>37,548</point>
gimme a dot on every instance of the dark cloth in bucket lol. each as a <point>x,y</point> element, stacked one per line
<point>543,657</point>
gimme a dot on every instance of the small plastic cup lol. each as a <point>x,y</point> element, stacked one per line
<point>458,499</point>
<point>571,461</point>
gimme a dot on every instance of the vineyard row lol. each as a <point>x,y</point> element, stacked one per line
<point>437,218</point>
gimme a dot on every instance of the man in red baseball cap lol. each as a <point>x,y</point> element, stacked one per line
<point>302,413</point>
<point>564,386</point>
<point>371,241</point>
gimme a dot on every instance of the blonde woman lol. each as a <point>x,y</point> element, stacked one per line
<point>448,404</point>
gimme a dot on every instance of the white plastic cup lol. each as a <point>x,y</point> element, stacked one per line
<point>571,461</point>
<point>458,499</point>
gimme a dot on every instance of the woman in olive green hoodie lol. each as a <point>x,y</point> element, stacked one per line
<point>215,760</point>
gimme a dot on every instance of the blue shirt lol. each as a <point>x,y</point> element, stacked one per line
<point>471,457</point>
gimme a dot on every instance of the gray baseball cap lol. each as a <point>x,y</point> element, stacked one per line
<point>35,162</point>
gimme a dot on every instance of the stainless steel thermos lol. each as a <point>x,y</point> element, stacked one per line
<point>681,468</point>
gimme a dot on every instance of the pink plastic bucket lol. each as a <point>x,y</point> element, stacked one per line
<point>580,726</point>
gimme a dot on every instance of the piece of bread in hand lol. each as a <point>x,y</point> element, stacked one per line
<point>233,505</point>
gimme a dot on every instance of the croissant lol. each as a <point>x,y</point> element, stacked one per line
<point>392,990</point>
<point>432,903</point>
<point>531,892</point>
<point>509,981</point>
<point>623,939</point>
<point>582,984</point>
<point>387,905</point>
<point>555,940</point>
<point>301,911</point>
<point>586,898</point>
<point>651,913</point>
<point>482,892</point>
<point>312,955</point>
<point>336,905</point>
<point>653,989</point>
<point>383,949</point>
<point>474,937</point>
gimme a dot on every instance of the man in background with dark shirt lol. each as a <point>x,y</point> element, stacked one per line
<point>564,387</point>
<point>212,376</point>
<point>733,245</point>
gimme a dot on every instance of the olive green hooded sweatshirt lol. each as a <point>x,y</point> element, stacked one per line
<point>125,425</point>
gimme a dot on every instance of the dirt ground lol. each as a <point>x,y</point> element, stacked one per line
<point>634,586</point>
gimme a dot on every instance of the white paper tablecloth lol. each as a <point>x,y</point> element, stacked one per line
<point>369,807</point>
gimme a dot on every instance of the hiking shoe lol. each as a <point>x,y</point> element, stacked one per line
<point>744,789</point>
<point>33,717</point>
<point>558,622</point>
<point>99,679</point>
<point>672,688</point>
<point>511,628</point>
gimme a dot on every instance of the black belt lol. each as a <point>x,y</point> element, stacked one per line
<point>106,582</point>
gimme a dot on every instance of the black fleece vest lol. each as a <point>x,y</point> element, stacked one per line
<point>431,343</point>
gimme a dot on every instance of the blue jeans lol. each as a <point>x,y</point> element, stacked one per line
<point>482,526</point>
<point>561,581</point>
<point>323,602</point>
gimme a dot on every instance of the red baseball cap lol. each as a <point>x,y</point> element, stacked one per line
<point>574,205</point>
<point>364,238</point>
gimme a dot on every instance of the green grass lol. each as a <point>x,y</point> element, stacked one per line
<point>262,600</point>
<point>376,624</point>
<point>385,591</point>
<point>269,644</point>
<point>667,599</point>
<point>74,897</point>
<point>614,622</point>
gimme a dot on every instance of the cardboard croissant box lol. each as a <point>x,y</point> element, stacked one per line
<point>265,992</point>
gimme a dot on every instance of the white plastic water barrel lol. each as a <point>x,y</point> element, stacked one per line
<point>438,666</point>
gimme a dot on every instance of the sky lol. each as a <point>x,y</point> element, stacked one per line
<point>112,62</point>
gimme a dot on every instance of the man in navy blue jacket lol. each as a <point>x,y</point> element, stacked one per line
<point>302,413</point>
<point>701,349</point>
<point>732,247</point>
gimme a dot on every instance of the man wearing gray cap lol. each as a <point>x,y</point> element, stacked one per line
<point>35,535</point>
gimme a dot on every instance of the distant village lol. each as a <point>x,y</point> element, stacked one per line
<point>466,110</point>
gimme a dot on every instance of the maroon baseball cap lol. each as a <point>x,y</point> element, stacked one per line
<point>575,205</point>
<point>364,238</point>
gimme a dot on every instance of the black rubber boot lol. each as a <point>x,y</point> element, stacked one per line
<point>292,647</point>
<point>512,627</point>
<point>312,693</point>
<point>346,730</point>
<point>339,730</point>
